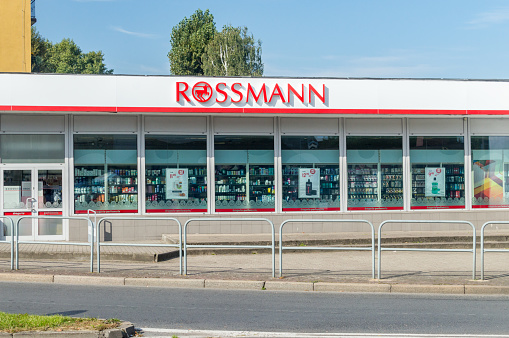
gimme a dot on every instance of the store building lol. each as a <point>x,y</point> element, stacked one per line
<point>279,148</point>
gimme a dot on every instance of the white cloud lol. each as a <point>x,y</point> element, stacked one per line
<point>496,16</point>
<point>138,34</point>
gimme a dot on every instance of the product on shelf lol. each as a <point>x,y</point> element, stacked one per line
<point>102,189</point>
<point>454,180</point>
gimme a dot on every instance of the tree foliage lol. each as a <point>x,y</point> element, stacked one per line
<point>188,42</point>
<point>233,52</point>
<point>198,49</point>
<point>64,57</point>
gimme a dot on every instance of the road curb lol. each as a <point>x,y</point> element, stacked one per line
<point>88,280</point>
<point>288,286</point>
<point>25,277</point>
<point>166,282</point>
<point>234,284</point>
<point>352,287</point>
<point>428,288</point>
<point>486,290</point>
<point>271,285</point>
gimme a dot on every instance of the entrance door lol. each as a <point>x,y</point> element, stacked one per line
<point>34,192</point>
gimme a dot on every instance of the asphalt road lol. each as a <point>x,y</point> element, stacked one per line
<point>265,310</point>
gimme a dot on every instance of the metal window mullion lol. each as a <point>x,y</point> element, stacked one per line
<point>407,169</point>
<point>343,168</point>
<point>468,164</point>
<point>278,167</point>
<point>211,180</point>
<point>141,165</point>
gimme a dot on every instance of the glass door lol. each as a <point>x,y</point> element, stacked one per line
<point>34,192</point>
<point>49,203</point>
<point>18,200</point>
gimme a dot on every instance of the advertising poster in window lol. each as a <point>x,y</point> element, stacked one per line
<point>435,182</point>
<point>309,183</point>
<point>177,184</point>
<point>488,179</point>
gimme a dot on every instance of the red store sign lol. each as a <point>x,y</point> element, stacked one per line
<point>203,92</point>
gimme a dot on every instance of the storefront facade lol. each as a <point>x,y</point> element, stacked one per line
<point>277,148</point>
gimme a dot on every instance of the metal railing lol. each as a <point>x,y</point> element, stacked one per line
<point>281,247</point>
<point>18,242</point>
<point>380,249</point>
<point>273,246</point>
<point>483,250</point>
<point>12,239</point>
<point>91,230</point>
<point>104,219</point>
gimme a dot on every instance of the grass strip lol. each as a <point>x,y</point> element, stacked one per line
<point>13,323</point>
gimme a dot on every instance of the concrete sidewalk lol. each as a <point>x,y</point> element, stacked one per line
<point>346,271</point>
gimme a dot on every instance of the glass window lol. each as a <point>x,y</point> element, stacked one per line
<point>310,173</point>
<point>105,173</point>
<point>375,172</point>
<point>176,173</point>
<point>244,173</point>
<point>438,173</point>
<point>32,148</point>
<point>490,171</point>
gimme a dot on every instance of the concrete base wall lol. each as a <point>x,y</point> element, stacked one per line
<point>143,230</point>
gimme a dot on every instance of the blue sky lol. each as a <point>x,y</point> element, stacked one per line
<point>327,38</point>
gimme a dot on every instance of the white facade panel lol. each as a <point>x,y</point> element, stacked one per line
<point>353,94</point>
<point>5,90</point>
<point>168,94</point>
<point>374,126</point>
<point>489,126</point>
<point>436,126</point>
<point>422,94</point>
<point>176,124</point>
<point>309,126</point>
<point>110,123</point>
<point>32,123</point>
<point>487,95</point>
<point>249,125</point>
<point>67,91</point>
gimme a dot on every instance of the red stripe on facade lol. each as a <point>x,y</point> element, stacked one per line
<point>253,110</point>
<point>375,208</point>
<point>50,213</point>
<point>489,206</point>
<point>17,213</point>
<point>245,210</point>
<point>108,211</point>
<point>438,207</point>
<point>311,209</point>
<point>174,210</point>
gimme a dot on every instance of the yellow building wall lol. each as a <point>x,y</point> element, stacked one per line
<point>15,36</point>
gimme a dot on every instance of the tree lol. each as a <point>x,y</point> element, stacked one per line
<point>188,42</point>
<point>40,47</point>
<point>65,57</point>
<point>233,52</point>
<point>198,49</point>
